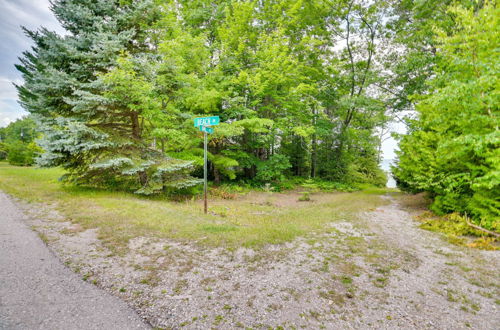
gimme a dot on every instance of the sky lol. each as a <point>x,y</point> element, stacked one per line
<point>13,14</point>
<point>33,14</point>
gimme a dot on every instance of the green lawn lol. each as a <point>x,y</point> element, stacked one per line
<point>250,220</point>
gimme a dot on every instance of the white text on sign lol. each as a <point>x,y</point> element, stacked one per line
<point>206,121</point>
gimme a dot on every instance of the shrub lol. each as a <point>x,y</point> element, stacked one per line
<point>3,151</point>
<point>305,197</point>
<point>273,168</point>
<point>324,185</point>
<point>20,154</point>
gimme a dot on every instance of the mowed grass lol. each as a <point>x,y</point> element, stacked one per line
<point>250,220</point>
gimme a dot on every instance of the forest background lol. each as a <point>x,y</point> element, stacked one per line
<point>305,90</point>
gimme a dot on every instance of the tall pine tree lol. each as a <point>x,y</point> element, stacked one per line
<point>92,103</point>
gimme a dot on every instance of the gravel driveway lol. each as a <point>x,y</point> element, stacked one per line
<point>377,271</point>
<point>38,292</point>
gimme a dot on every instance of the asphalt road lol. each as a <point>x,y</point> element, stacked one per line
<point>38,292</point>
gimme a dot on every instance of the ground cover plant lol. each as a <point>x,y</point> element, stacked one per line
<point>455,228</point>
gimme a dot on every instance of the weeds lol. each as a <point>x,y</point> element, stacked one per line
<point>457,231</point>
<point>305,197</point>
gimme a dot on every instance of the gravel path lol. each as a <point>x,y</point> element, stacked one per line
<point>38,292</point>
<point>375,271</point>
<point>437,285</point>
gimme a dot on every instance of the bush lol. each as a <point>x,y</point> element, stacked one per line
<point>20,154</point>
<point>305,197</point>
<point>367,172</point>
<point>457,231</point>
<point>273,168</point>
<point>452,151</point>
<point>3,151</point>
<point>324,185</point>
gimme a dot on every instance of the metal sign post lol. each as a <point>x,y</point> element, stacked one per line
<point>203,125</point>
<point>205,171</point>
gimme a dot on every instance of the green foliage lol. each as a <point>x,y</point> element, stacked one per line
<point>366,171</point>
<point>225,165</point>
<point>18,145</point>
<point>452,224</point>
<point>329,186</point>
<point>305,197</point>
<point>96,101</point>
<point>272,169</point>
<point>21,154</point>
<point>457,231</point>
<point>275,88</point>
<point>453,149</point>
<point>17,154</point>
<point>3,151</point>
<point>116,97</point>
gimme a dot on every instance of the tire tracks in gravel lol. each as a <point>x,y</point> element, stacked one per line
<point>430,284</point>
<point>449,287</point>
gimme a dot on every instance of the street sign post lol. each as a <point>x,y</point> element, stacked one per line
<point>203,124</point>
<point>205,206</point>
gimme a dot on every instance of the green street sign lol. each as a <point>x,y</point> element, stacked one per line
<point>207,129</point>
<point>206,121</point>
<point>203,124</point>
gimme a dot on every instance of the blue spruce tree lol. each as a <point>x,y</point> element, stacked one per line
<point>87,128</point>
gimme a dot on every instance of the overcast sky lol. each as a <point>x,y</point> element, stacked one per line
<point>33,14</point>
<point>13,14</point>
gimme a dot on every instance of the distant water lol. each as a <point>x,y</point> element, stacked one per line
<point>385,164</point>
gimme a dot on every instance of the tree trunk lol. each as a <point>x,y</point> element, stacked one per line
<point>314,157</point>
<point>273,141</point>
<point>314,153</point>
<point>163,184</point>
<point>136,128</point>
<point>216,176</point>
<point>143,178</point>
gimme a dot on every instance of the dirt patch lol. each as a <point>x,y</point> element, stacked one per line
<point>413,203</point>
<point>377,271</point>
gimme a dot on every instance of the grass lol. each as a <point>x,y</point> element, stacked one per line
<point>252,220</point>
<point>457,231</point>
<point>453,226</point>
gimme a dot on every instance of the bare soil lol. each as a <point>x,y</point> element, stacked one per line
<point>378,271</point>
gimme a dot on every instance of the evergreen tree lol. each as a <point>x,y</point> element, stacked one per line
<point>92,107</point>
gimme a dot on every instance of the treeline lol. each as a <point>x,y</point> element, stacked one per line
<point>304,89</point>
<point>17,144</point>
<point>452,150</point>
<point>299,87</point>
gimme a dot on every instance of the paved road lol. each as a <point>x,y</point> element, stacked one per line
<point>38,292</point>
